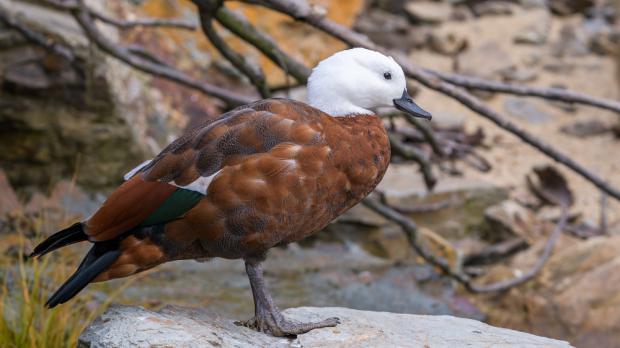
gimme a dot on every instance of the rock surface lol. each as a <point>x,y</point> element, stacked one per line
<point>123,326</point>
<point>580,282</point>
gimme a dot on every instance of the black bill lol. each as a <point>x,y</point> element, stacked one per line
<point>406,104</point>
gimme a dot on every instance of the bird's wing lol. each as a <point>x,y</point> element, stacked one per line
<point>175,180</point>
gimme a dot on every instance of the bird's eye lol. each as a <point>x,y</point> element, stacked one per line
<point>387,76</point>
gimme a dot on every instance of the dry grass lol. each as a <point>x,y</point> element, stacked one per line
<point>26,285</point>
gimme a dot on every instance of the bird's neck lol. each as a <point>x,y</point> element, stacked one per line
<point>335,105</point>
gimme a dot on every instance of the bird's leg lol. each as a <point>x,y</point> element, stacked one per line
<point>267,316</point>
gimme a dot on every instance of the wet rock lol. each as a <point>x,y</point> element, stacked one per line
<point>429,12</point>
<point>574,297</point>
<point>487,61</point>
<point>526,110</point>
<point>123,326</point>
<point>585,128</point>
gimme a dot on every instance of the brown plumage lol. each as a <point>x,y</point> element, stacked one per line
<point>285,171</point>
<point>269,173</point>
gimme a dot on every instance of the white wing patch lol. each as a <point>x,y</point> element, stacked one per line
<point>199,185</point>
<point>133,172</point>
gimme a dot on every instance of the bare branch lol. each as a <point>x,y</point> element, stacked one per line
<point>509,283</point>
<point>254,73</point>
<point>481,108</point>
<point>85,19</point>
<point>411,153</point>
<point>242,28</point>
<point>427,133</point>
<point>299,9</point>
<point>410,229</point>
<point>141,51</point>
<point>522,90</point>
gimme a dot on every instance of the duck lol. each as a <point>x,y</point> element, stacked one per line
<point>269,173</point>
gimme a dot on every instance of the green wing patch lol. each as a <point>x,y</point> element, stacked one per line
<point>179,202</point>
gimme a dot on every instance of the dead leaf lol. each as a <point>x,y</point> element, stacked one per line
<point>551,187</point>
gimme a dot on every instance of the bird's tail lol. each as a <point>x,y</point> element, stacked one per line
<point>72,234</point>
<point>134,251</point>
<point>101,256</point>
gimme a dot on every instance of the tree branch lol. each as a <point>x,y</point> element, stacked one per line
<point>301,10</point>
<point>84,17</point>
<point>411,153</point>
<point>253,73</point>
<point>242,28</point>
<point>411,231</point>
<point>523,90</point>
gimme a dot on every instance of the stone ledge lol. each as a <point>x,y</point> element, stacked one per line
<point>124,326</point>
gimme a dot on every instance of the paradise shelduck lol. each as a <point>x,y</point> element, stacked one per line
<point>264,174</point>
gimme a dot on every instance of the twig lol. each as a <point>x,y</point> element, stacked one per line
<point>253,73</point>
<point>85,19</point>
<point>242,28</point>
<point>496,252</point>
<point>141,51</point>
<point>481,108</point>
<point>523,90</point>
<point>410,229</point>
<point>411,153</point>
<point>301,10</point>
<point>427,133</point>
<point>509,283</point>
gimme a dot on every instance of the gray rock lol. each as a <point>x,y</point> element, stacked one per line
<point>585,128</point>
<point>526,111</point>
<point>448,44</point>
<point>429,12</point>
<point>123,326</point>
<point>493,8</point>
<point>574,41</point>
<point>487,61</point>
<point>535,35</point>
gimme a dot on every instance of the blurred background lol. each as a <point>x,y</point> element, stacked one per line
<point>74,119</point>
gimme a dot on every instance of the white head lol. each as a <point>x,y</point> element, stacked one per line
<point>357,81</point>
